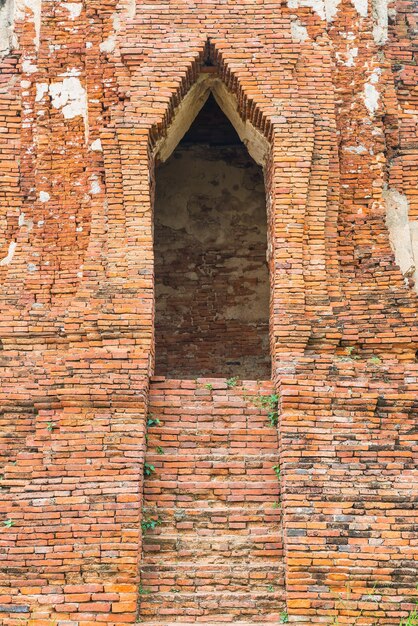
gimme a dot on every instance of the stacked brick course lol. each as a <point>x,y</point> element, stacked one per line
<point>86,91</point>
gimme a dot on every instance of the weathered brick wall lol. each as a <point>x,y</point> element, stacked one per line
<point>86,92</point>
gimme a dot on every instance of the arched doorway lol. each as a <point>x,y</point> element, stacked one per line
<point>210,242</point>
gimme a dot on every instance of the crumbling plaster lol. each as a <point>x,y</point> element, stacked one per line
<point>257,145</point>
<point>403,234</point>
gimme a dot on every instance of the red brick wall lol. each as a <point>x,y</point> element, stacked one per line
<point>338,107</point>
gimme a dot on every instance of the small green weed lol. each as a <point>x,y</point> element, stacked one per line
<point>142,591</point>
<point>374,360</point>
<point>232,382</point>
<point>8,523</point>
<point>411,620</point>
<point>149,524</point>
<point>277,505</point>
<point>270,588</point>
<point>276,469</point>
<point>152,421</point>
<point>284,617</point>
<point>159,450</point>
<point>209,386</point>
<point>271,403</point>
<point>148,469</point>
<point>50,426</point>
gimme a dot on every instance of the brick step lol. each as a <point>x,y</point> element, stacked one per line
<point>198,576</point>
<point>204,468</point>
<point>186,500</point>
<point>254,519</point>
<point>212,549</point>
<point>166,492</point>
<point>212,440</point>
<point>183,388</point>
<point>222,606</point>
<point>224,418</point>
<point>235,457</point>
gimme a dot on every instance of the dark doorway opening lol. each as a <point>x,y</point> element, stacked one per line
<point>210,240</point>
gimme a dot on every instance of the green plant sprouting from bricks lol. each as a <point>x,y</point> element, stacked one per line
<point>50,426</point>
<point>284,617</point>
<point>8,523</point>
<point>271,403</point>
<point>276,469</point>
<point>232,382</point>
<point>152,421</point>
<point>412,619</point>
<point>148,469</point>
<point>149,523</point>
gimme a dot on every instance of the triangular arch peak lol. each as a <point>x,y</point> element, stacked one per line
<point>206,84</point>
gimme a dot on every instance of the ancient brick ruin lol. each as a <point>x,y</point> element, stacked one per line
<point>208,330</point>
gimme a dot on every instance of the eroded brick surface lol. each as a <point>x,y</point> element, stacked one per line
<point>216,553</point>
<point>86,92</point>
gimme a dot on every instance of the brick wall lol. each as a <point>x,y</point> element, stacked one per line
<point>86,93</point>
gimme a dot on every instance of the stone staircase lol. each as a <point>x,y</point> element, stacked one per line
<point>215,555</point>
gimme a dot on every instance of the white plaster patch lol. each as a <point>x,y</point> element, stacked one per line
<point>361,7</point>
<point>73,8</point>
<point>131,8</point>
<point>71,97</point>
<point>108,45</point>
<point>356,149</point>
<point>94,187</point>
<point>326,9</point>
<point>371,95</point>
<point>380,21</point>
<point>298,31</point>
<point>44,196</point>
<point>96,146</point>
<point>6,27</point>
<point>28,67</point>
<point>352,53</point>
<point>41,90</point>
<point>72,71</point>
<point>8,259</point>
<point>32,267</point>
<point>403,234</point>
<point>22,221</point>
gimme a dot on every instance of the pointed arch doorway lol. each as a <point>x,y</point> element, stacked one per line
<point>210,242</point>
